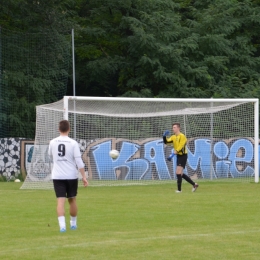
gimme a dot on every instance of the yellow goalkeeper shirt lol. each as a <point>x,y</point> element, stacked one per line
<point>179,143</point>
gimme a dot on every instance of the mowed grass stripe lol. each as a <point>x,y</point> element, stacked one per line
<point>220,220</point>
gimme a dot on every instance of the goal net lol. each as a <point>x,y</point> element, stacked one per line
<point>222,139</point>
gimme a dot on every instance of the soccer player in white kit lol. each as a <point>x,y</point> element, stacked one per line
<point>66,158</point>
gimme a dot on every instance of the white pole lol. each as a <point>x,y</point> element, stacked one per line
<point>74,80</point>
<point>197,100</point>
<point>256,147</point>
<point>65,108</point>
<point>184,123</point>
<point>73,63</point>
<point>211,141</point>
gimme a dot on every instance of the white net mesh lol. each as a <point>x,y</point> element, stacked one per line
<point>220,139</point>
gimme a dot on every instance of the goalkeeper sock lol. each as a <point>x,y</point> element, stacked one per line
<point>188,179</point>
<point>62,223</point>
<point>73,221</point>
<point>179,181</point>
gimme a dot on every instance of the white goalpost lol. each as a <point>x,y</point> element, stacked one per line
<point>222,139</point>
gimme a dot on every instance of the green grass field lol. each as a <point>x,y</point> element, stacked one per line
<point>218,221</point>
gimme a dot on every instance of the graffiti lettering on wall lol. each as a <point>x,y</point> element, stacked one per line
<point>147,159</point>
<point>144,159</point>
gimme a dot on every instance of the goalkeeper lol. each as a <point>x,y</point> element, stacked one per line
<point>179,141</point>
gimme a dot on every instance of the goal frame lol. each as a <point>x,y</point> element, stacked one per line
<point>202,100</point>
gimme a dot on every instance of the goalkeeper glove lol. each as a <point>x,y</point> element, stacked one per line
<point>166,133</point>
<point>170,157</point>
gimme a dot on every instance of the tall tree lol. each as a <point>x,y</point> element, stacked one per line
<point>126,45</point>
<point>226,49</point>
<point>171,48</point>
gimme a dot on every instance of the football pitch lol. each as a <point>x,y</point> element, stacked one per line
<point>221,220</point>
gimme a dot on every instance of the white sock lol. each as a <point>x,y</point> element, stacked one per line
<point>62,222</point>
<point>73,221</point>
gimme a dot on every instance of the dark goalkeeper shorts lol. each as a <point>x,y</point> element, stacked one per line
<point>66,188</point>
<point>181,160</point>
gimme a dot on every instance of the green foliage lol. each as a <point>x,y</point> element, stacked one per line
<point>34,62</point>
<point>35,16</point>
<point>137,48</point>
<point>173,48</point>
<point>226,47</point>
<point>125,41</point>
<point>144,93</point>
<point>2,178</point>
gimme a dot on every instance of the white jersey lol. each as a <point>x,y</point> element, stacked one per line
<point>64,152</point>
